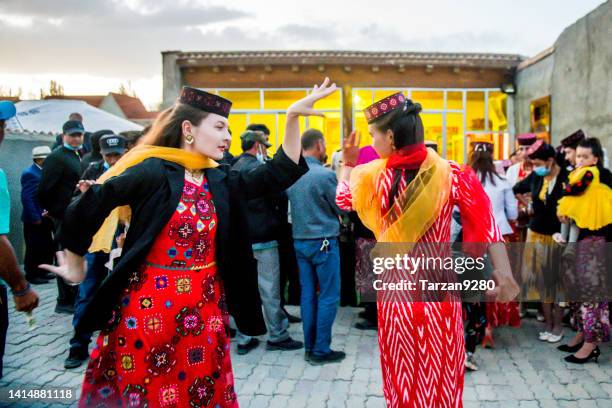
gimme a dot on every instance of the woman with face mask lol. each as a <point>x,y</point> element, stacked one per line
<point>406,197</point>
<point>186,263</point>
<point>539,272</point>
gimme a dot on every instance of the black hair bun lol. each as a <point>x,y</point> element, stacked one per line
<point>412,108</point>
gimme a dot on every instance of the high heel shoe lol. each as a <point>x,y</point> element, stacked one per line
<point>487,341</point>
<point>593,356</point>
<point>570,349</point>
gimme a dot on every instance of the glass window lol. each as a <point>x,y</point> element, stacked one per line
<point>454,137</point>
<point>331,128</point>
<point>362,99</point>
<point>429,100</point>
<point>497,111</point>
<point>361,125</point>
<point>333,101</point>
<point>454,100</point>
<point>432,126</point>
<point>242,99</point>
<point>237,124</point>
<point>475,110</point>
<point>281,99</point>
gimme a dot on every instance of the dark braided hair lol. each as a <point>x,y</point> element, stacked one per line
<point>407,128</point>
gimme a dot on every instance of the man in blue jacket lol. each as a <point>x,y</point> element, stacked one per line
<point>37,227</point>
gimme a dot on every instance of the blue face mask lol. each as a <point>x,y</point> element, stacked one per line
<point>67,146</point>
<point>542,171</point>
<point>106,166</point>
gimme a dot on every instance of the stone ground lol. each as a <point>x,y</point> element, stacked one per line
<point>519,372</point>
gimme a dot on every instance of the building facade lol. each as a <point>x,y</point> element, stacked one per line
<point>460,93</point>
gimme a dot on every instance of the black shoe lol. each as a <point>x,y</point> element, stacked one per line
<point>570,349</point>
<point>307,355</point>
<point>37,281</point>
<point>288,344</point>
<point>245,348</point>
<point>76,357</point>
<point>331,357</point>
<point>66,309</point>
<point>292,318</point>
<point>593,356</point>
<point>366,325</point>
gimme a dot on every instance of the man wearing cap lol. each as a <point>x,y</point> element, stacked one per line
<point>37,227</point>
<point>111,147</point>
<point>264,221</point>
<point>60,174</point>
<point>24,296</point>
<point>569,145</point>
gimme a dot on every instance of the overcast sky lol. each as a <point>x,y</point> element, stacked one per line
<point>91,46</point>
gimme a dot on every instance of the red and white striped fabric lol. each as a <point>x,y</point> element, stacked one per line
<point>421,343</point>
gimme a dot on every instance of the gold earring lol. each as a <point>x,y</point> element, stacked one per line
<point>189,139</point>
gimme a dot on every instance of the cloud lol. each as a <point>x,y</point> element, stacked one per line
<point>115,38</point>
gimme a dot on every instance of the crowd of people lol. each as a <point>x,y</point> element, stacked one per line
<point>170,246</point>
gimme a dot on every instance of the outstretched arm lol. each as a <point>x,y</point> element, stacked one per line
<point>303,107</point>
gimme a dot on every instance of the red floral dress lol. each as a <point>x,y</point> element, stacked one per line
<point>167,344</point>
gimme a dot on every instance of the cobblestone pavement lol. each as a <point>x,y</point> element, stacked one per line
<point>519,372</point>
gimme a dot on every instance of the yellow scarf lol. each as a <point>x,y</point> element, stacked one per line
<point>422,200</point>
<point>103,240</point>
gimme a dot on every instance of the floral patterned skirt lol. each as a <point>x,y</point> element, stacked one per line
<point>167,344</point>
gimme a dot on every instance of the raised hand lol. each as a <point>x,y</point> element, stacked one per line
<point>71,267</point>
<point>350,149</point>
<point>304,107</point>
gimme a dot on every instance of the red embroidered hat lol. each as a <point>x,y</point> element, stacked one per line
<point>526,139</point>
<point>384,106</point>
<point>205,101</point>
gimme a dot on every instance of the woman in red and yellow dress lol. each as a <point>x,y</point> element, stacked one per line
<point>186,262</point>
<point>407,197</point>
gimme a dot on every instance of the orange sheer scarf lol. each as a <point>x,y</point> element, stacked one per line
<point>416,208</point>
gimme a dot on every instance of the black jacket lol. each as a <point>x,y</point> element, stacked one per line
<point>153,189</point>
<point>264,216</point>
<point>60,174</point>
<point>544,219</point>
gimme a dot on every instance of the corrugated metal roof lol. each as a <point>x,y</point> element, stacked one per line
<point>386,58</point>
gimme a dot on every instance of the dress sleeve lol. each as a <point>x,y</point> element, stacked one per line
<point>477,219</point>
<point>274,177</point>
<point>579,187</point>
<point>344,198</point>
<point>86,213</point>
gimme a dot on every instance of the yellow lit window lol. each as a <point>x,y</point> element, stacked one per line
<point>242,99</point>
<point>497,111</point>
<point>237,124</point>
<point>454,100</point>
<point>429,100</point>
<point>362,99</point>
<point>281,99</point>
<point>475,110</point>
<point>454,137</point>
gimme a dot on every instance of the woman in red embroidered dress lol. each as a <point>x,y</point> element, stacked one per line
<point>163,311</point>
<point>408,196</point>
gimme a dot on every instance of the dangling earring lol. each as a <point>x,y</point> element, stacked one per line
<point>189,138</point>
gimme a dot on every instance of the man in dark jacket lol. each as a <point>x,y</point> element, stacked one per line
<point>60,175</point>
<point>94,155</point>
<point>111,147</point>
<point>37,227</point>
<point>264,223</point>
